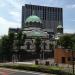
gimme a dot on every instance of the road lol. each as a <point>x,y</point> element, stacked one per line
<point>4,71</point>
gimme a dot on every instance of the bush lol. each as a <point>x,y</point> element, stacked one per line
<point>38,68</point>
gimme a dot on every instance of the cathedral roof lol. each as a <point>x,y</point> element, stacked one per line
<point>33,18</point>
<point>35,32</point>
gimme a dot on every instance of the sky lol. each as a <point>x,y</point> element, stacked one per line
<point>10,13</point>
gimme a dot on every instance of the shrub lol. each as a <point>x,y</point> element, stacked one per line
<point>38,68</point>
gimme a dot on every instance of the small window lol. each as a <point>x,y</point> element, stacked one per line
<point>63,60</point>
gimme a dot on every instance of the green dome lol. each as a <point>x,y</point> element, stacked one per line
<point>59,26</point>
<point>33,18</point>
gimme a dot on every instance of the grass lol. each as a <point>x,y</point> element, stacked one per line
<point>56,68</point>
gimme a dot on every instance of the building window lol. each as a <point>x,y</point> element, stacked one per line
<point>63,60</point>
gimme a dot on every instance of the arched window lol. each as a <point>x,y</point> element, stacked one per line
<point>28,45</point>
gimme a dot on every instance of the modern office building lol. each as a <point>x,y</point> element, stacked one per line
<point>50,16</point>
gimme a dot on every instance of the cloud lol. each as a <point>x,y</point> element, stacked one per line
<point>69,30</point>
<point>2,4</point>
<point>13,10</point>
<point>73,20</point>
<point>70,6</point>
<point>14,13</point>
<point>16,16</point>
<point>5,25</point>
<point>15,4</point>
<point>39,2</point>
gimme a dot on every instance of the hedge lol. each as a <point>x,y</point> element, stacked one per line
<point>38,68</point>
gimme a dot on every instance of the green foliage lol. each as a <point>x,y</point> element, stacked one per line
<point>38,68</point>
<point>73,40</point>
<point>38,40</point>
<point>38,44</point>
<point>5,43</point>
<point>11,37</point>
<point>0,44</point>
<point>24,38</point>
<point>20,39</point>
<point>67,41</point>
<point>51,46</point>
<point>5,52</point>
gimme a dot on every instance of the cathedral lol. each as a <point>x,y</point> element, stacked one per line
<point>38,42</point>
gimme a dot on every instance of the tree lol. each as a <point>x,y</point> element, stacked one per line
<point>38,46</point>
<point>51,46</point>
<point>0,45</point>
<point>23,38</point>
<point>20,41</point>
<point>73,40</point>
<point>65,41</point>
<point>0,49</point>
<point>5,48</point>
<point>68,42</point>
<point>11,38</point>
